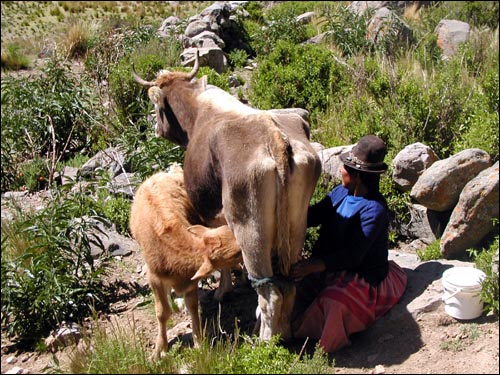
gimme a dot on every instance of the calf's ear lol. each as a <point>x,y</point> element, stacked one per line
<point>197,230</point>
<point>205,269</point>
<point>210,238</point>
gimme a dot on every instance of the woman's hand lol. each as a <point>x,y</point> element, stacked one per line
<point>305,267</point>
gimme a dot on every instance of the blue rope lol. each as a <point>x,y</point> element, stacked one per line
<point>279,280</point>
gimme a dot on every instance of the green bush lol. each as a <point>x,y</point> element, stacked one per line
<point>486,261</point>
<point>238,58</point>
<point>53,115</point>
<point>128,95</point>
<point>117,210</point>
<point>292,76</point>
<point>146,153</point>
<point>431,252</point>
<point>34,174</point>
<point>348,30</point>
<point>281,25</point>
<point>252,356</point>
<point>54,278</point>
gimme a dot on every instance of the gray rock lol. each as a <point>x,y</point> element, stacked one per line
<point>471,218</point>
<point>450,34</point>
<point>410,163</point>
<point>439,186</point>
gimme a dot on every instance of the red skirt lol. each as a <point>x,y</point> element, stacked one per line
<point>348,305</point>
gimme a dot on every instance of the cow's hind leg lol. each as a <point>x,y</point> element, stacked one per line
<point>161,290</point>
<point>272,321</point>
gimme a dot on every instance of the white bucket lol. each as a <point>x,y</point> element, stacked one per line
<point>461,292</point>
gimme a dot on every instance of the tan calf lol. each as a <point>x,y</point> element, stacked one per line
<point>177,250</point>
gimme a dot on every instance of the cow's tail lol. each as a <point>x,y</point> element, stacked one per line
<point>282,153</point>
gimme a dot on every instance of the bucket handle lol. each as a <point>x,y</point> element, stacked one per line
<point>451,295</point>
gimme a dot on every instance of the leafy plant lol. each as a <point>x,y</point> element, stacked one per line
<point>348,30</point>
<point>54,278</point>
<point>431,252</point>
<point>117,210</point>
<point>281,25</point>
<point>62,120</point>
<point>238,58</point>
<point>303,76</point>
<point>487,261</point>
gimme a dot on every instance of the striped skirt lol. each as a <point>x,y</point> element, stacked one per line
<point>348,305</point>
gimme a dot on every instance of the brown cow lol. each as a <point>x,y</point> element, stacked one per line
<point>257,165</point>
<point>176,252</point>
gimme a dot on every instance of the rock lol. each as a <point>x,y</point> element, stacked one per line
<point>472,217</point>
<point>439,186</point>
<point>450,34</point>
<point>410,163</point>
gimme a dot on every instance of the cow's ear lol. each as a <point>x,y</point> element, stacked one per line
<point>155,95</point>
<point>205,269</point>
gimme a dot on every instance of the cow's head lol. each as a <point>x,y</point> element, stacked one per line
<point>169,123</point>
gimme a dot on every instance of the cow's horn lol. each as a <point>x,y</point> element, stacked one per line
<point>195,67</point>
<point>143,82</point>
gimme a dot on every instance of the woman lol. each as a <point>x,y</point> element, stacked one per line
<point>348,282</point>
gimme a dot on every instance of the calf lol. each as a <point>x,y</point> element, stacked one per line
<point>177,253</point>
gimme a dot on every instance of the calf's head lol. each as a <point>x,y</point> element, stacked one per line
<point>220,249</point>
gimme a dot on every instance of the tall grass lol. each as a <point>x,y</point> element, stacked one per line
<point>121,349</point>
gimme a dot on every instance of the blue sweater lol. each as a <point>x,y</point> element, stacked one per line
<point>354,240</point>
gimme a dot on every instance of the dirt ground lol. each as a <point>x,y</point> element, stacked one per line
<point>432,343</point>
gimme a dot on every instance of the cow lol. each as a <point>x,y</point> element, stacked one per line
<point>256,165</point>
<point>177,250</point>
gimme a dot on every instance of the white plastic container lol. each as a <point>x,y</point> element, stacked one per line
<point>461,292</point>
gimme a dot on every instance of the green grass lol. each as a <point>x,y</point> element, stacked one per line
<point>123,349</point>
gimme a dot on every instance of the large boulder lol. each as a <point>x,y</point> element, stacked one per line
<point>439,187</point>
<point>410,163</point>
<point>472,217</point>
<point>450,34</point>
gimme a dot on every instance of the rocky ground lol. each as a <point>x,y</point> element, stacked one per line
<point>416,336</point>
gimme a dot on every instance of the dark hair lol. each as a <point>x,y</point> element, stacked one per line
<point>371,181</point>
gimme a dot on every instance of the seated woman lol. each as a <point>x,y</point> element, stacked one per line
<point>348,282</point>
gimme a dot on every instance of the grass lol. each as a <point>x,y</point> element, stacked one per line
<point>121,348</point>
<point>468,333</point>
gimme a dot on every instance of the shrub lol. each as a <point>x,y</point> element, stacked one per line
<point>294,76</point>
<point>52,116</point>
<point>117,210</point>
<point>147,153</point>
<point>127,94</point>
<point>54,278</point>
<point>77,39</point>
<point>238,58</point>
<point>281,25</point>
<point>431,252</point>
<point>348,30</point>
<point>486,259</point>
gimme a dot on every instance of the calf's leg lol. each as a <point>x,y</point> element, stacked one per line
<point>191,300</point>
<point>161,290</point>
